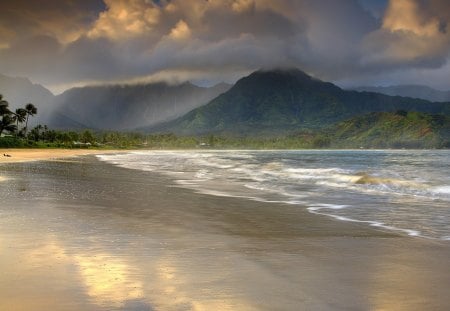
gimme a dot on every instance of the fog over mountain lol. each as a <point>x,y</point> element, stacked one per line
<point>117,107</point>
<point>283,100</point>
<point>414,91</point>
<point>126,107</point>
<point>20,91</point>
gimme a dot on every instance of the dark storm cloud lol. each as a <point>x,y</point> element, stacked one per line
<point>64,19</point>
<point>68,42</point>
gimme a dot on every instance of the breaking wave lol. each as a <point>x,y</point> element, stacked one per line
<point>404,191</point>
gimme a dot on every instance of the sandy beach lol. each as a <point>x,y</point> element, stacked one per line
<point>86,235</point>
<point>27,155</point>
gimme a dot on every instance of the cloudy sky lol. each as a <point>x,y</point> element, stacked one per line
<point>63,43</point>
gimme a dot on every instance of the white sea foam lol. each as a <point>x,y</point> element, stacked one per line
<point>442,189</point>
<point>315,210</point>
<point>382,189</point>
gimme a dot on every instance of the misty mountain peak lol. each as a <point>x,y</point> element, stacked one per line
<point>267,81</point>
<point>282,100</point>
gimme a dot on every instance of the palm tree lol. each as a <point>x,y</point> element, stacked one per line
<point>7,124</point>
<point>20,116</point>
<point>31,111</point>
<point>3,106</point>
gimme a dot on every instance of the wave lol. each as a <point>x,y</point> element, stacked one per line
<point>379,194</point>
<point>316,210</point>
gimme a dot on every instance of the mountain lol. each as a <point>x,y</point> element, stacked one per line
<point>413,91</point>
<point>277,101</point>
<point>122,107</point>
<point>399,129</point>
<point>20,91</point>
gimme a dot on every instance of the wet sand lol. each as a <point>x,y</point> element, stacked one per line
<point>27,155</point>
<point>84,235</point>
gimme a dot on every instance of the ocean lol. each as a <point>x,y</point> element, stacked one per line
<point>407,191</point>
<point>208,230</point>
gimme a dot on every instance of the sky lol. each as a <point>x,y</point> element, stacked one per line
<point>65,43</point>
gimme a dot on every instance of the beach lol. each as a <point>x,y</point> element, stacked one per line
<point>81,234</point>
<point>27,155</point>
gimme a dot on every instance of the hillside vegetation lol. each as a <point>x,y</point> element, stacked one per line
<point>281,101</point>
<point>393,130</point>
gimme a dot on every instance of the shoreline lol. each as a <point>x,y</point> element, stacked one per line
<point>17,155</point>
<point>88,235</point>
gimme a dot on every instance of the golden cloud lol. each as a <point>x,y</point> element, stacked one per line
<point>410,34</point>
<point>405,15</point>
<point>124,18</point>
<point>180,31</point>
<point>243,5</point>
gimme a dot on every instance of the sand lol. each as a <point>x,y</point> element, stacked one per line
<point>85,235</point>
<point>26,155</point>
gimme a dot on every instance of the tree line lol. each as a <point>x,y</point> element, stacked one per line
<point>10,120</point>
<point>400,129</point>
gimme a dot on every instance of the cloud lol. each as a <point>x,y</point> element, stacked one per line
<point>405,15</point>
<point>125,18</point>
<point>30,56</point>
<point>67,42</point>
<point>413,33</point>
<point>65,20</point>
<point>181,31</point>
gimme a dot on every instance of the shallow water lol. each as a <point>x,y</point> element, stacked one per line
<point>85,235</point>
<point>406,191</point>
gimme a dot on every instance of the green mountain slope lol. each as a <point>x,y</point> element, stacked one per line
<point>280,101</point>
<point>375,130</point>
<point>400,129</point>
<point>414,91</point>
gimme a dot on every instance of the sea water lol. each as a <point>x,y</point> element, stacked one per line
<point>402,190</point>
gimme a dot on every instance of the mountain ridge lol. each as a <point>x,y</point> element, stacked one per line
<point>128,106</point>
<point>400,129</point>
<point>409,90</point>
<point>285,100</point>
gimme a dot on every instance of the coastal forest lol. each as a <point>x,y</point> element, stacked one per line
<point>276,109</point>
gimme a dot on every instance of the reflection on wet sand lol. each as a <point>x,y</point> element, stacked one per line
<point>36,274</point>
<point>109,280</point>
<point>194,288</point>
<point>54,271</point>
<point>128,245</point>
<point>101,279</point>
<point>401,282</point>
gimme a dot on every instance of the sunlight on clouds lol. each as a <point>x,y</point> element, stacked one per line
<point>409,35</point>
<point>125,18</point>
<point>180,31</point>
<point>404,15</point>
<point>65,34</point>
<point>6,35</point>
<point>242,5</point>
<point>133,39</point>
